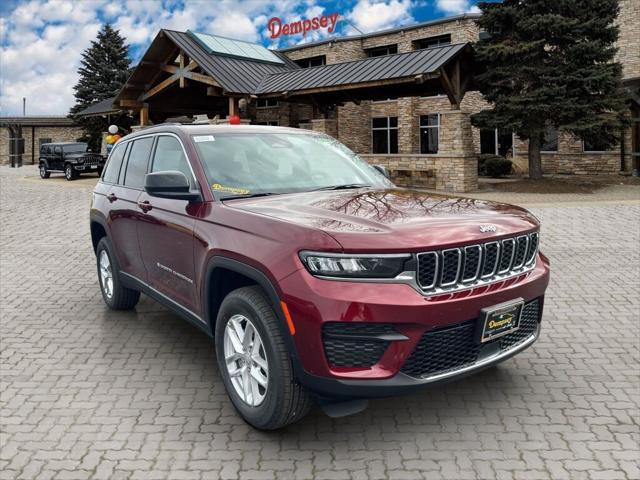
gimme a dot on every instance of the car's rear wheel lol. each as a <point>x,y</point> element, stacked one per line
<point>44,173</point>
<point>115,295</point>
<point>254,362</point>
<point>70,173</point>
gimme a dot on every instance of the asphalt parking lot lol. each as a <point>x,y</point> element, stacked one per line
<point>90,393</point>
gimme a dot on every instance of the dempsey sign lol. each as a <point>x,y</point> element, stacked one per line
<point>277,27</point>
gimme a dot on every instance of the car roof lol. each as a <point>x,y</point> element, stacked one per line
<point>205,129</point>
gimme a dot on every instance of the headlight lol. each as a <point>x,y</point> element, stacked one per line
<point>354,266</point>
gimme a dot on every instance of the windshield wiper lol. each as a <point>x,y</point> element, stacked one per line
<point>346,186</point>
<point>249,195</point>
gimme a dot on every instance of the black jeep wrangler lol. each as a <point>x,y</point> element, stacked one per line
<point>70,158</point>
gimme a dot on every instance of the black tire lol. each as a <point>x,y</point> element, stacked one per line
<point>122,298</point>
<point>70,173</point>
<point>285,400</point>
<point>44,173</point>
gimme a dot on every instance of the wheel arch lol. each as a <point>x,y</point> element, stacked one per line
<point>223,275</point>
<point>98,231</point>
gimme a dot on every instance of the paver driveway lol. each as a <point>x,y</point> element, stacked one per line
<point>89,393</point>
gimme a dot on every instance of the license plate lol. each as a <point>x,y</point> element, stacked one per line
<point>500,320</point>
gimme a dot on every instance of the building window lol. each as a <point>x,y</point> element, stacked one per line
<point>429,133</point>
<point>266,102</point>
<point>550,139</point>
<point>380,51</point>
<point>496,142</point>
<point>432,41</point>
<point>312,61</point>
<point>594,145</point>
<point>384,134</point>
<point>272,123</point>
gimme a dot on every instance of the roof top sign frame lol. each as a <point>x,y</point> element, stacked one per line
<point>217,45</point>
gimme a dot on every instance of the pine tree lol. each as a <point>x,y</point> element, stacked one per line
<point>104,69</point>
<point>550,62</point>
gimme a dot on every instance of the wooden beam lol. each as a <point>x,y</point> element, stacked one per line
<point>214,92</point>
<point>192,65</point>
<point>159,87</point>
<point>449,89</point>
<point>199,77</point>
<point>182,81</point>
<point>169,68</point>
<point>130,103</point>
<point>233,106</point>
<point>144,115</point>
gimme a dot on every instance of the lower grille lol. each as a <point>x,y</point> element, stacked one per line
<point>355,345</point>
<point>455,347</point>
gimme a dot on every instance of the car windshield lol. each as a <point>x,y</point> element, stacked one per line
<point>264,163</point>
<point>75,148</point>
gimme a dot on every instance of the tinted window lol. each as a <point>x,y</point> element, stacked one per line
<point>170,156</point>
<point>57,150</point>
<point>138,161</point>
<point>113,164</point>
<point>75,148</point>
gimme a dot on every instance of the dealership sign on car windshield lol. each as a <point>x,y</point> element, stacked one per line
<point>277,27</point>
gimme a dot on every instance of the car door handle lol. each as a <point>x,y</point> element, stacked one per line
<point>145,206</point>
<point>112,197</point>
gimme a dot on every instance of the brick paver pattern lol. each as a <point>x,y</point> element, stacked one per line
<point>91,393</point>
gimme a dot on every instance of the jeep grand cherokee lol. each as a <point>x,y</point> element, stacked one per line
<point>316,277</point>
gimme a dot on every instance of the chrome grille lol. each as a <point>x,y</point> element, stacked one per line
<point>458,268</point>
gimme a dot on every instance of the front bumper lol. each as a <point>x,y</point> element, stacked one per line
<point>314,302</point>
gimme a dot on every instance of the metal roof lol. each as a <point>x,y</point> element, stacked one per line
<point>235,75</point>
<point>372,69</point>
<point>102,107</point>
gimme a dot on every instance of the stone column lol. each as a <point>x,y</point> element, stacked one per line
<point>408,124</point>
<point>325,125</point>
<point>456,162</point>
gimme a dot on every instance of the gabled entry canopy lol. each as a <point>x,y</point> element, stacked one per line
<point>194,73</point>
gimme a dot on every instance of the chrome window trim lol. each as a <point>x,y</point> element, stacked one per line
<point>477,274</point>
<point>496,263</point>
<point>455,280</point>
<point>435,275</point>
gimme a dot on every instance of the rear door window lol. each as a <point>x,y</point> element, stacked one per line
<point>138,162</point>
<point>112,169</point>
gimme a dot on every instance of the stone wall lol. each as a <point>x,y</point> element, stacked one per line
<point>56,134</point>
<point>335,52</point>
<point>629,39</point>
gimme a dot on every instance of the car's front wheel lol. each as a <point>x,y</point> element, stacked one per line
<point>254,362</point>
<point>70,173</point>
<point>44,173</point>
<point>115,295</point>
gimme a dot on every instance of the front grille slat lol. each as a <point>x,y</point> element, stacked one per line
<point>455,347</point>
<point>459,268</point>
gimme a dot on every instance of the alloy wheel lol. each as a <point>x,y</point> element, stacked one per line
<point>106,274</point>
<point>68,173</point>
<point>246,360</point>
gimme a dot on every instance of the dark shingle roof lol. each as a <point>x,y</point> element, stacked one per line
<point>235,75</point>
<point>99,108</point>
<point>371,69</point>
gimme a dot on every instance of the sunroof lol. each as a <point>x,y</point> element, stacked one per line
<point>236,48</point>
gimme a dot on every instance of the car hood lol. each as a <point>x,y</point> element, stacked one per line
<point>394,219</point>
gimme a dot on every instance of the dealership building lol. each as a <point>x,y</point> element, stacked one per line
<point>401,98</point>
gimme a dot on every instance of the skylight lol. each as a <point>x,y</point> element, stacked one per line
<point>235,48</point>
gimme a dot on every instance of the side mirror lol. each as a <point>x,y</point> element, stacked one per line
<point>382,169</point>
<point>170,184</point>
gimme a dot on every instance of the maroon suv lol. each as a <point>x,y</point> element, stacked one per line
<point>315,275</point>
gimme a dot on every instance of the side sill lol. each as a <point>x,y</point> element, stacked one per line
<point>132,282</point>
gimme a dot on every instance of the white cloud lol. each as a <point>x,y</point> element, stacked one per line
<point>453,7</point>
<point>372,15</point>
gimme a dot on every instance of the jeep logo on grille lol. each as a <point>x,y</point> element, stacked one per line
<point>488,228</point>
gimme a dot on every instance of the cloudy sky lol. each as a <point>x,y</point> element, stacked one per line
<point>41,40</point>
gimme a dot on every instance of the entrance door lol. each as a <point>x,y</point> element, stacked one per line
<point>165,232</point>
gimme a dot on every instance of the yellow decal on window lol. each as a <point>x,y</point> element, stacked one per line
<point>228,189</point>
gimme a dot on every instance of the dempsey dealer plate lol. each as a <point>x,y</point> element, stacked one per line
<point>499,320</point>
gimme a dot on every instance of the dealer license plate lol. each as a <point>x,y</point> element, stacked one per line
<point>500,319</point>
